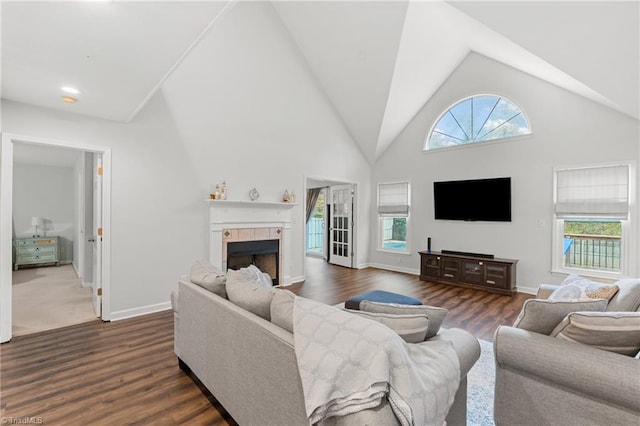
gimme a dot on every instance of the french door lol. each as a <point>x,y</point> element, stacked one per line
<point>341,225</point>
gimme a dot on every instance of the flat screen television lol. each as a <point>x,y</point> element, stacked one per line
<point>473,200</point>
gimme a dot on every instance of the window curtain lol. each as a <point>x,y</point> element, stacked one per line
<point>393,199</point>
<point>312,199</point>
<point>593,192</point>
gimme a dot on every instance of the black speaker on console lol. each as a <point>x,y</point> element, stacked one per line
<point>428,244</point>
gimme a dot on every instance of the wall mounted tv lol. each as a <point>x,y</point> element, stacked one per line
<point>473,200</point>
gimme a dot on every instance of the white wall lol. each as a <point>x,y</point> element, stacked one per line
<point>258,118</point>
<point>46,192</point>
<point>242,107</point>
<point>567,130</point>
<point>157,216</point>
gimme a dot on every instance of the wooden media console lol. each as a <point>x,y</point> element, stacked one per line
<point>475,271</point>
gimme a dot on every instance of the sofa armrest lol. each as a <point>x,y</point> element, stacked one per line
<point>577,368</point>
<point>464,343</point>
<point>545,290</point>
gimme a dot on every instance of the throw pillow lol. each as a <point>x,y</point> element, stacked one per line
<point>412,328</point>
<point>255,275</point>
<point>435,315</point>
<point>575,287</point>
<point>610,331</point>
<point>628,296</point>
<point>282,309</point>
<point>208,276</point>
<point>542,316</point>
<point>248,295</point>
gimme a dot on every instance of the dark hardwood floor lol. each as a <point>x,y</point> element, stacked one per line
<point>125,372</point>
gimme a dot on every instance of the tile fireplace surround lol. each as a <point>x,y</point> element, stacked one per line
<point>233,221</point>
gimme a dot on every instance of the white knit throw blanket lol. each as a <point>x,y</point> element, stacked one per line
<point>348,363</point>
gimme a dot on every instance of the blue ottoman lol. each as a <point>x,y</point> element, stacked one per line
<point>382,297</point>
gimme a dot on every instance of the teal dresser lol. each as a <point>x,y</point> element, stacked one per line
<point>35,251</point>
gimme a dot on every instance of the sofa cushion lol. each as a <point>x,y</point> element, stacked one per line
<point>628,296</point>
<point>435,315</point>
<point>282,309</point>
<point>575,287</point>
<point>412,328</point>
<point>253,297</point>
<point>208,276</point>
<point>611,331</point>
<point>542,316</point>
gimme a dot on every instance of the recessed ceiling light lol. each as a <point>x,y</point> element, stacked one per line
<point>69,99</point>
<point>70,90</point>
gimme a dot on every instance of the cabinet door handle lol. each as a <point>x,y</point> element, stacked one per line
<point>490,282</point>
<point>448,275</point>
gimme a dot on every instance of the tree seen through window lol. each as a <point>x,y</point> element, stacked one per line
<point>477,119</point>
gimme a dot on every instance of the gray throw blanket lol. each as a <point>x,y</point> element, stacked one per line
<point>348,363</point>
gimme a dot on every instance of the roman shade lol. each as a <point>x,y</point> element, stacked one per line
<point>593,192</point>
<point>393,199</point>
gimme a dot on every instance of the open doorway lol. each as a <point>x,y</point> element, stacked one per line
<point>43,217</point>
<point>316,226</point>
<point>330,221</point>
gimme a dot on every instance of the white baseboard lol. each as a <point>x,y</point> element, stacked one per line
<point>395,268</point>
<point>527,290</point>
<point>143,310</point>
<point>294,280</point>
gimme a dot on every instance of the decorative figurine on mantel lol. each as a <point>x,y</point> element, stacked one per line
<point>216,193</point>
<point>223,192</point>
<point>253,194</point>
<point>285,196</point>
<point>292,197</point>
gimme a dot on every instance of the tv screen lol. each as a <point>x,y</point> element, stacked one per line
<point>473,200</point>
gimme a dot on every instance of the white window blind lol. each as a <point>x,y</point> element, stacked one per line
<point>601,192</point>
<point>393,199</point>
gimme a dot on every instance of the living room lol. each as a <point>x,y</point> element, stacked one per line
<point>247,68</point>
<point>255,101</point>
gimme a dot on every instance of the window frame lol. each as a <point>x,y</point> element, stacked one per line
<point>425,145</point>
<point>381,217</point>
<point>628,239</point>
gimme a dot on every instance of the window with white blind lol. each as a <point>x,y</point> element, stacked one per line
<point>393,214</point>
<point>591,206</point>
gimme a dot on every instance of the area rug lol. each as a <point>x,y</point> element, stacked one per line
<point>480,388</point>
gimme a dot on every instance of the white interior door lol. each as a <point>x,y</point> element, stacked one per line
<point>96,235</point>
<point>341,226</point>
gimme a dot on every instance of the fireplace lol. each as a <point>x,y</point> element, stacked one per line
<point>264,254</point>
<point>260,224</point>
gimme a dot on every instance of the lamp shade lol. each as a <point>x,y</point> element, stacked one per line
<point>35,220</point>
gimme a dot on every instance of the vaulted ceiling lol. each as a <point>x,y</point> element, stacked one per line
<point>377,62</point>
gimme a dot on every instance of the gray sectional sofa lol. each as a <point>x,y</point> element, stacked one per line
<point>544,380</point>
<point>249,364</point>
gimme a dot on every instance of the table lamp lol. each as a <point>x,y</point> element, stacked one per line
<point>36,221</point>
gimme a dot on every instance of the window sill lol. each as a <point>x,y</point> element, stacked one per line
<point>589,273</point>
<point>405,252</point>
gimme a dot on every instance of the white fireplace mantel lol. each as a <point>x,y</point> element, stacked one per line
<point>228,214</point>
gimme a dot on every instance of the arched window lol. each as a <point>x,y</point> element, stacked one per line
<point>477,119</point>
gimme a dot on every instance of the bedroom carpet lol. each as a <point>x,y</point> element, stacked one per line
<point>47,298</point>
